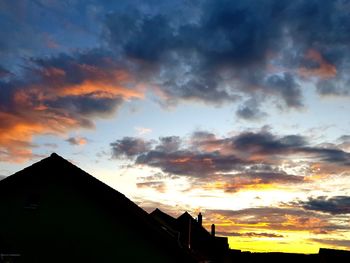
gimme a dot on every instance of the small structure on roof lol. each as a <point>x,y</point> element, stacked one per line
<point>189,232</point>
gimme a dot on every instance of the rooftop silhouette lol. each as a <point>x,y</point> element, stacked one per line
<point>53,211</point>
<point>190,233</point>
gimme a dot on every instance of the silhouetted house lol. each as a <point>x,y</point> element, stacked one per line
<point>53,211</point>
<point>333,255</point>
<point>205,246</point>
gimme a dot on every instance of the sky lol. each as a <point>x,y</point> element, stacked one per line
<point>237,109</point>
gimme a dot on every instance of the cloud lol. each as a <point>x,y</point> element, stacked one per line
<point>4,72</point>
<point>169,144</point>
<point>344,142</point>
<point>142,130</point>
<point>77,140</point>
<point>184,162</point>
<point>255,180</point>
<point>251,234</point>
<point>129,147</point>
<point>224,50</point>
<point>276,218</point>
<point>248,160</point>
<point>250,110</point>
<point>266,144</point>
<point>317,66</point>
<point>214,52</point>
<point>333,242</point>
<point>58,94</point>
<point>61,26</point>
<point>344,138</point>
<point>333,87</point>
<point>159,186</point>
<point>287,87</point>
<point>335,205</point>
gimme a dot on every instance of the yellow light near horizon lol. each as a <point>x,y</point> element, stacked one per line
<point>273,245</point>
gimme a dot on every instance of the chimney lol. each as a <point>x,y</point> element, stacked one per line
<point>199,218</point>
<point>189,233</point>
<point>213,230</point>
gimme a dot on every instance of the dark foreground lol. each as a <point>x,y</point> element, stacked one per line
<point>53,211</point>
<point>324,256</point>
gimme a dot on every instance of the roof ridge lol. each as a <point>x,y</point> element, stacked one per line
<point>55,157</point>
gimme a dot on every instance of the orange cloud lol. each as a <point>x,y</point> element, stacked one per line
<point>241,184</point>
<point>305,222</point>
<point>56,104</point>
<point>99,89</point>
<point>181,160</point>
<point>53,72</point>
<point>77,140</point>
<point>321,171</point>
<point>15,137</point>
<point>325,70</point>
<point>271,219</point>
<point>101,83</point>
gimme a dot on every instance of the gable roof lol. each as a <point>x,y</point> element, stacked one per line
<point>164,218</point>
<point>67,179</point>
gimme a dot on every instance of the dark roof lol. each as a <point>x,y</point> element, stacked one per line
<point>55,170</point>
<point>185,215</point>
<point>198,228</point>
<point>163,217</point>
<point>166,222</point>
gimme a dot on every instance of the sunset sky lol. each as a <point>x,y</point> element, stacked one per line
<point>238,109</point>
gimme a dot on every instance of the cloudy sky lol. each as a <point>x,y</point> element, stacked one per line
<point>238,109</point>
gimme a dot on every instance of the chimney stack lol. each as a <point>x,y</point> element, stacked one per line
<point>199,218</point>
<point>213,230</point>
<point>189,233</point>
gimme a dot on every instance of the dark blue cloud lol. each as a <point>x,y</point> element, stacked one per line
<point>76,140</point>
<point>287,87</point>
<point>216,52</point>
<point>333,205</point>
<point>211,51</point>
<point>344,138</point>
<point>43,28</point>
<point>333,87</point>
<point>255,156</point>
<point>226,47</point>
<point>267,143</point>
<point>4,73</point>
<point>129,147</point>
<point>184,162</point>
<point>250,110</point>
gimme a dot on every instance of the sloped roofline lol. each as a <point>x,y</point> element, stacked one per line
<point>114,197</point>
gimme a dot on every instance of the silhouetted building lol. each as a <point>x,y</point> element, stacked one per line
<point>53,211</point>
<point>333,255</point>
<point>324,256</point>
<point>205,246</point>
